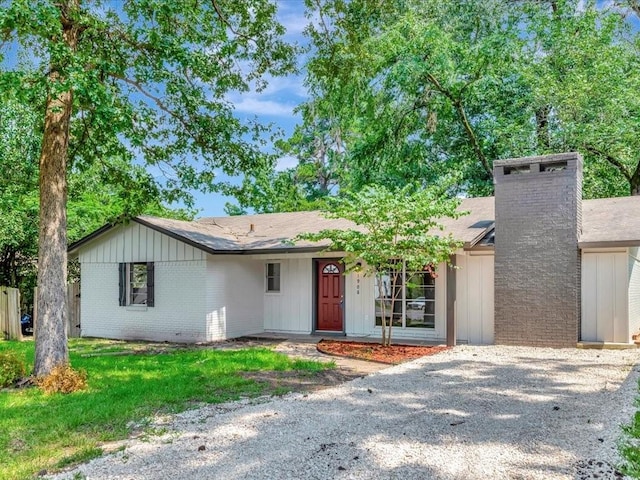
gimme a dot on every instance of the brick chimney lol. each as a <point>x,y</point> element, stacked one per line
<point>537,260</point>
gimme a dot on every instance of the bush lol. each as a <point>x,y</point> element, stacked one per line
<point>12,368</point>
<point>63,379</point>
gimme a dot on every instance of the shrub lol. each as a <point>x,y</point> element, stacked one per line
<point>63,379</point>
<point>12,368</point>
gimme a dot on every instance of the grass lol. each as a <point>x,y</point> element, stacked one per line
<point>630,447</point>
<point>127,384</point>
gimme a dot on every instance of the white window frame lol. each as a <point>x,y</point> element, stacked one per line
<point>403,302</point>
<point>274,276</point>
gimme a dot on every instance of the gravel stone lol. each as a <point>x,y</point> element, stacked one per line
<point>468,413</point>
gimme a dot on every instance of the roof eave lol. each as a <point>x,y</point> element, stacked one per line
<point>480,248</point>
<point>75,246</point>
<point>609,244</point>
<point>472,243</point>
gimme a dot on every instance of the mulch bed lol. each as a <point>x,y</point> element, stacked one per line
<point>392,354</point>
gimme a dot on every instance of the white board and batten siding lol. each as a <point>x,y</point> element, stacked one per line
<point>234,296</point>
<point>291,309</point>
<point>474,310</point>
<point>605,296</point>
<point>634,290</point>
<point>137,243</point>
<point>180,281</point>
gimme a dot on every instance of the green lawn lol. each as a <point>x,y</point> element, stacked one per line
<point>40,431</point>
<point>630,446</point>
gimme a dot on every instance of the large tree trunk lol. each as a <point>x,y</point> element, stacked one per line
<point>50,329</point>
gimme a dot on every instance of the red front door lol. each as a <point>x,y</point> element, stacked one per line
<point>330,295</point>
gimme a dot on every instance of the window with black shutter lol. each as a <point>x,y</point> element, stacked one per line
<point>136,282</point>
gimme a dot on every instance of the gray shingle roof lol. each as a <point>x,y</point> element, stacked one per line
<point>274,231</point>
<point>265,232</point>
<point>610,222</point>
<point>606,222</point>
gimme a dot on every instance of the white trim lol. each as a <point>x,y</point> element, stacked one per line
<point>605,250</point>
<point>266,278</point>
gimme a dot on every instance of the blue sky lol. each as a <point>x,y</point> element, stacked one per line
<point>274,105</point>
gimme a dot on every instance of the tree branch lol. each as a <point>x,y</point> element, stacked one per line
<point>457,104</point>
<point>233,30</point>
<point>160,104</point>
<point>611,159</point>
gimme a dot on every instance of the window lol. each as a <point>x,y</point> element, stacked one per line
<point>273,277</point>
<point>136,284</point>
<point>414,300</point>
<point>331,268</point>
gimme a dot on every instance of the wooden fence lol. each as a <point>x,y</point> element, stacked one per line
<point>10,313</point>
<point>73,310</point>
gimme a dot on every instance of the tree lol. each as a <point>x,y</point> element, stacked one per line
<point>19,147</point>
<point>392,230</point>
<point>137,81</point>
<point>97,195</point>
<point>413,90</point>
<point>582,62</point>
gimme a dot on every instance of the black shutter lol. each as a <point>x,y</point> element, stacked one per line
<point>122,279</point>
<point>150,289</point>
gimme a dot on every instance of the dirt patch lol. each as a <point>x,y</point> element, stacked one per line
<point>302,381</point>
<point>392,354</point>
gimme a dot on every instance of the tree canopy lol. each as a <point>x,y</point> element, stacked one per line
<point>415,90</point>
<point>122,85</point>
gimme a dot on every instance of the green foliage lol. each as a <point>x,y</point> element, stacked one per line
<point>150,81</point>
<point>12,368</point>
<point>128,383</point>
<point>391,227</point>
<point>150,118</point>
<point>630,448</point>
<point>414,90</point>
<point>96,196</point>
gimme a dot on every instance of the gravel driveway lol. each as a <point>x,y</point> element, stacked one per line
<point>470,413</point>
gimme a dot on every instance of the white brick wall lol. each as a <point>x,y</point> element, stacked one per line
<point>178,314</point>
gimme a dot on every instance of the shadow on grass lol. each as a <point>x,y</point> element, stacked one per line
<point>37,430</point>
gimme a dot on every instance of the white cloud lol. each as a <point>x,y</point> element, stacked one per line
<point>286,162</point>
<point>258,106</point>
<point>291,16</point>
<point>290,85</point>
